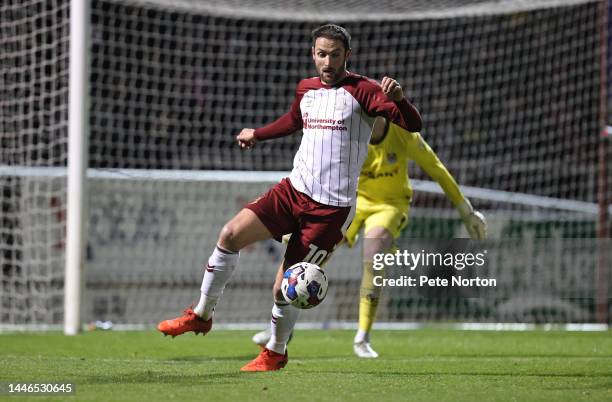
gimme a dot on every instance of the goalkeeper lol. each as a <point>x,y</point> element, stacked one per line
<point>383,202</point>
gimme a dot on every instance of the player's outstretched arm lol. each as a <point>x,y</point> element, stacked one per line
<point>419,151</point>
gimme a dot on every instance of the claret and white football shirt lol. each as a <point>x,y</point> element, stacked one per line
<point>336,123</point>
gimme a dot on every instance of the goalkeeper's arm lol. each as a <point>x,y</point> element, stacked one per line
<point>421,153</point>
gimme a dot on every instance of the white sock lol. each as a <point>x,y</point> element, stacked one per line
<point>362,336</point>
<point>284,317</point>
<point>219,270</point>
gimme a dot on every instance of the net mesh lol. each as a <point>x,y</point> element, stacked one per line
<point>509,101</point>
<point>33,125</point>
<point>508,94</point>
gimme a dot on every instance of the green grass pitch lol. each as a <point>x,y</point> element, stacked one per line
<point>421,365</point>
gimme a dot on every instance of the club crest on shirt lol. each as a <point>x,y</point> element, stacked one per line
<point>341,101</point>
<point>391,157</point>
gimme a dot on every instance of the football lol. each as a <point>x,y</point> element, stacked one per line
<point>304,285</point>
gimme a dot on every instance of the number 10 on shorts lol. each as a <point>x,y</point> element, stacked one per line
<point>315,255</point>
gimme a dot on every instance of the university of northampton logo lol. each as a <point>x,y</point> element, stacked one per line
<point>391,157</point>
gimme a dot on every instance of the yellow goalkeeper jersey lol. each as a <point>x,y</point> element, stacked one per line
<point>384,175</point>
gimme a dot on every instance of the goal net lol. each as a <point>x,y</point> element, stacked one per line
<point>509,93</point>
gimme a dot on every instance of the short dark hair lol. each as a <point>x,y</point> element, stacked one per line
<point>332,31</point>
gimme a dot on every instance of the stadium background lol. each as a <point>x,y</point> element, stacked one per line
<point>510,97</point>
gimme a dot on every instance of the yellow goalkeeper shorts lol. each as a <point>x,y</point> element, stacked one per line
<point>370,214</point>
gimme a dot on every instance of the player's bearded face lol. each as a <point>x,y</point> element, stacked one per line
<point>330,57</point>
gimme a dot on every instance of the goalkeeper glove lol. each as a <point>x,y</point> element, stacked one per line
<point>474,221</point>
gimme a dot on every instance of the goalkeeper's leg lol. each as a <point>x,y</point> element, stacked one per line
<point>377,240</point>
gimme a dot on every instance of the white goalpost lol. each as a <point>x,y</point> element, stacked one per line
<point>78,155</point>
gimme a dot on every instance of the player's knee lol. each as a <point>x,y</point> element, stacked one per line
<point>228,238</point>
<point>377,241</point>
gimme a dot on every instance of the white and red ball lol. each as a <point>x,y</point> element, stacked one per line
<point>304,285</point>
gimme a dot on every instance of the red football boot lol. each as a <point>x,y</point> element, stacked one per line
<point>189,321</point>
<point>267,361</point>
